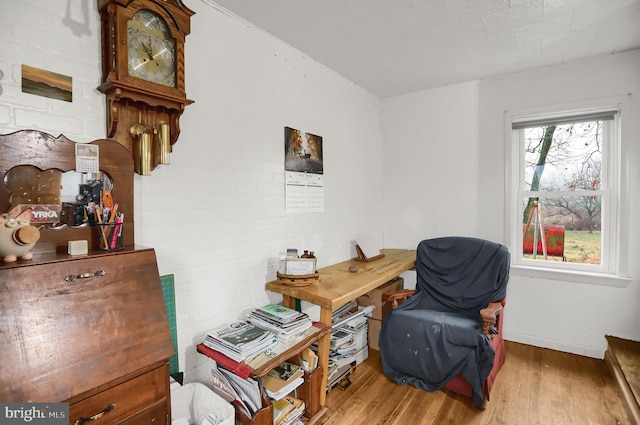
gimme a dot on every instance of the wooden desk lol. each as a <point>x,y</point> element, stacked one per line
<point>338,286</point>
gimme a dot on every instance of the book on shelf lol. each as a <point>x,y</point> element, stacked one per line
<point>282,346</point>
<point>276,323</point>
<point>283,321</point>
<point>247,389</point>
<point>339,337</point>
<point>239,335</point>
<point>309,360</point>
<point>287,411</point>
<point>281,376</point>
<point>357,342</point>
<point>224,389</point>
<point>280,332</point>
<point>285,390</point>
<point>280,313</point>
<point>239,357</point>
<point>286,371</point>
<point>340,312</point>
<point>240,340</point>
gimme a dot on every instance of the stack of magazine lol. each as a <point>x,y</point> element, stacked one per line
<point>284,322</point>
<point>240,340</point>
<point>348,343</point>
<point>242,393</point>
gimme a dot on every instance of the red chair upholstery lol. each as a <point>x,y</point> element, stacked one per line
<point>461,386</point>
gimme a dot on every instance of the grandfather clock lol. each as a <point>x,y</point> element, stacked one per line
<point>143,75</point>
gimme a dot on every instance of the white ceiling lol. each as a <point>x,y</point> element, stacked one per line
<point>392,47</point>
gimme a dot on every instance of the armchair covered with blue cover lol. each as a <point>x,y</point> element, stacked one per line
<point>448,334</point>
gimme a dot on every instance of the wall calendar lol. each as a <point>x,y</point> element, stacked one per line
<point>304,179</point>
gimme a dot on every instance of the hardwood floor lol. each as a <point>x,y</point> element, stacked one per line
<point>535,386</point>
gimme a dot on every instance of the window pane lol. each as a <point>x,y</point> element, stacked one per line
<point>563,157</point>
<point>569,225</point>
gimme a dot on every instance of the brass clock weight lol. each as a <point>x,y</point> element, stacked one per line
<point>143,75</point>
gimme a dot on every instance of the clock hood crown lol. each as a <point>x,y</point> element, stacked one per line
<point>175,9</point>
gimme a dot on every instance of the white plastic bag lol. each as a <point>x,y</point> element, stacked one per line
<point>196,404</point>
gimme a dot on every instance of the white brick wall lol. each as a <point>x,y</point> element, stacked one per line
<point>216,215</point>
<point>223,193</point>
<point>53,36</point>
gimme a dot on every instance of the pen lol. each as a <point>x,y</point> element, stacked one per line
<point>114,213</point>
<point>117,231</point>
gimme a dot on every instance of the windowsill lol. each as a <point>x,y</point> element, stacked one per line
<point>571,276</point>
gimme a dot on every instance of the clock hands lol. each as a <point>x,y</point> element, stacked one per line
<point>152,59</point>
<point>148,50</point>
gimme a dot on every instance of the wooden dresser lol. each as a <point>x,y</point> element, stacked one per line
<point>90,330</point>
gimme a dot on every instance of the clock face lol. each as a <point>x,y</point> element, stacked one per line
<point>152,50</point>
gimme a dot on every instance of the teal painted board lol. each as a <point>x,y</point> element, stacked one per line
<point>168,290</point>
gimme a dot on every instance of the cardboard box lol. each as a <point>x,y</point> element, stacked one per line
<point>375,298</point>
<point>374,333</point>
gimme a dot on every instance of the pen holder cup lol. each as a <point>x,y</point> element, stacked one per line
<point>110,236</point>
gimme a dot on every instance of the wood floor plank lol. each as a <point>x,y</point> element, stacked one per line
<point>536,386</point>
<point>628,354</point>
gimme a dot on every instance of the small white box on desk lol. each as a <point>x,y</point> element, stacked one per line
<point>80,247</point>
<point>297,266</point>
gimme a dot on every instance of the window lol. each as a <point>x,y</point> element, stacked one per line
<point>564,191</point>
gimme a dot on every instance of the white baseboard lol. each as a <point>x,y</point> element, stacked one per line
<point>582,350</point>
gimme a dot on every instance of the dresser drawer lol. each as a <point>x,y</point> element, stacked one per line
<point>142,399</point>
<point>70,326</point>
<point>157,415</point>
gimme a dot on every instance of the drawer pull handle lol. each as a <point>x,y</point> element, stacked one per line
<point>95,417</point>
<point>73,277</point>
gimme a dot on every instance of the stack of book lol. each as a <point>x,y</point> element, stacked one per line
<point>240,340</point>
<point>283,379</point>
<point>287,410</point>
<point>284,322</point>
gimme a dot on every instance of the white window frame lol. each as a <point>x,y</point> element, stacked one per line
<point>613,268</point>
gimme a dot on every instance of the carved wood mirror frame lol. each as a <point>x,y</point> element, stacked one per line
<point>41,150</point>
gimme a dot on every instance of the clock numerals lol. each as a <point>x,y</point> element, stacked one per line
<point>151,49</point>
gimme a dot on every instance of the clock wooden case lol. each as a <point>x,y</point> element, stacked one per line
<point>143,72</point>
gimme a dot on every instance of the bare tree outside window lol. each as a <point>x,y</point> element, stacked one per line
<point>562,175</point>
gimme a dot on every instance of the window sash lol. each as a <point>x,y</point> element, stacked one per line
<point>544,120</point>
<point>609,226</point>
<point>605,232</point>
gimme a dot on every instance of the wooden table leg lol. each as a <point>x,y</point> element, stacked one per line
<point>323,353</point>
<point>288,301</point>
<point>323,345</point>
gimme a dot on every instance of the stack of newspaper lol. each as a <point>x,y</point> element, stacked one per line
<point>240,340</point>
<point>284,322</point>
